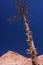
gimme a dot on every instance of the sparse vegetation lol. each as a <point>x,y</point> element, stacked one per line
<point>32,50</point>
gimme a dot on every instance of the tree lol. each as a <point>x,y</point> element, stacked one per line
<point>32,49</point>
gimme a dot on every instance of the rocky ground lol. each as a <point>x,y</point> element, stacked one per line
<point>12,58</point>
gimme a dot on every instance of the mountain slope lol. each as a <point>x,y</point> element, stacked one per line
<point>12,58</point>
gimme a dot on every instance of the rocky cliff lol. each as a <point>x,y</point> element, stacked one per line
<point>12,58</point>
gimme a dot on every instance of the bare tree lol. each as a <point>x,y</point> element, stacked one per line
<point>32,50</point>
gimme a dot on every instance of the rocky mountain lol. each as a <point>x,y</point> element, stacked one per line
<point>12,58</point>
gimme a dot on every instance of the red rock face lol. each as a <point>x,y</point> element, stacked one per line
<point>12,58</point>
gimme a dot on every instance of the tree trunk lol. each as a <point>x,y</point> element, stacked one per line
<point>32,50</point>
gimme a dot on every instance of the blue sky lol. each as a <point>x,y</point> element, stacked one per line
<point>12,36</point>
